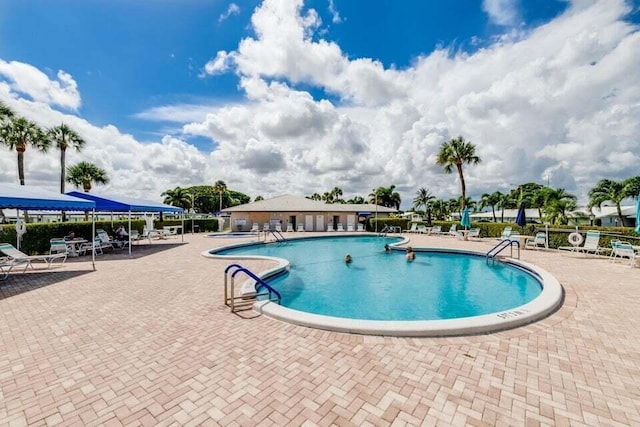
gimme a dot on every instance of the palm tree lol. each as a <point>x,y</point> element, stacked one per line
<point>180,197</point>
<point>5,112</point>
<point>18,133</point>
<point>327,197</point>
<point>220,187</point>
<point>440,209</point>
<point>423,198</point>
<point>85,174</point>
<point>385,196</point>
<point>607,190</point>
<point>557,204</point>
<point>491,200</point>
<point>337,195</point>
<point>505,202</point>
<point>258,198</point>
<point>457,152</point>
<point>356,200</point>
<point>315,196</point>
<point>63,137</point>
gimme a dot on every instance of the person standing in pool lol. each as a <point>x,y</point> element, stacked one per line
<point>410,254</point>
<point>387,248</point>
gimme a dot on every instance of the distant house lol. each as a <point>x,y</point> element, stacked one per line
<point>608,216</point>
<point>295,211</point>
<point>510,215</point>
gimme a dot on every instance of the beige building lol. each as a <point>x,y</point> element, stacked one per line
<point>300,212</point>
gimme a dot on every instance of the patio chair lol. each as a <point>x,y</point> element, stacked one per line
<point>7,264</point>
<point>453,231</point>
<point>13,254</point>
<point>474,233</point>
<point>58,246</point>
<point>422,229</point>
<point>265,226</point>
<point>436,229</point>
<point>278,227</point>
<point>330,226</point>
<point>623,250</point>
<point>350,227</point>
<point>360,227</point>
<point>340,227</point>
<point>289,227</point>
<point>255,227</point>
<point>591,244</point>
<point>505,233</point>
<point>300,228</point>
<point>413,229</point>
<point>537,241</point>
<point>107,242</point>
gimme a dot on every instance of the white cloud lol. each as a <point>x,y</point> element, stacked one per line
<point>25,79</point>
<point>502,12</point>
<point>335,15</point>
<point>233,9</point>
<point>560,102</point>
<point>219,64</point>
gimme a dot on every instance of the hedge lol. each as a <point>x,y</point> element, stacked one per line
<point>36,239</point>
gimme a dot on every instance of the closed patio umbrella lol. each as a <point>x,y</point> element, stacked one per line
<point>465,221</point>
<point>521,219</point>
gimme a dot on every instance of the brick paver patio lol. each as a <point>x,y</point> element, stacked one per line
<point>147,340</point>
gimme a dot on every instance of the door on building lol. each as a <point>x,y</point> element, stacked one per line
<point>292,221</point>
<point>336,220</point>
<point>308,223</point>
<point>351,221</point>
<point>319,222</point>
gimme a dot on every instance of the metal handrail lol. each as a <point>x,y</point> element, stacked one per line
<point>229,299</point>
<point>506,243</point>
<point>277,235</point>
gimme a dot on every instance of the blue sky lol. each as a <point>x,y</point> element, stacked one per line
<point>291,96</point>
<point>128,56</point>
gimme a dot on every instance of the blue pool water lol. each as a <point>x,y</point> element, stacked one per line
<point>384,286</point>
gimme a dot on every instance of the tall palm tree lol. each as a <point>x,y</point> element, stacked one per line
<point>607,190</point>
<point>315,196</point>
<point>327,197</point>
<point>85,174</point>
<point>557,204</point>
<point>63,137</point>
<point>385,196</point>
<point>5,112</point>
<point>258,198</point>
<point>18,133</point>
<point>505,202</point>
<point>180,197</point>
<point>440,209</point>
<point>337,195</point>
<point>457,152</point>
<point>423,198</point>
<point>220,187</point>
<point>356,200</point>
<point>491,200</point>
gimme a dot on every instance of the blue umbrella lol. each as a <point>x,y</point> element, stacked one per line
<point>638,216</point>
<point>521,219</point>
<point>465,221</point>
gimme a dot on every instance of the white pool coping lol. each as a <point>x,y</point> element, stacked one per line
<point>540,307</point>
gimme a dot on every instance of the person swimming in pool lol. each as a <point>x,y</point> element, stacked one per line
<point>348,259</point>
<point>410,254</point>
<point>387,248</point>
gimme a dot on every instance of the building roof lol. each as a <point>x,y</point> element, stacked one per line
<point>289,203</point>
<point>508,213</point>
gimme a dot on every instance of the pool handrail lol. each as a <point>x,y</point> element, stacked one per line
<point>276,235</point>
<point>502,245</point>
<point>229,300</point>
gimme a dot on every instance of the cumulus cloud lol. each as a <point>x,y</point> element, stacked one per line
<point>335,15</point>
<point>502,12</point>
<point>560,102</point>
<point>219,64</point>
<point>25,79</point>
<point>233,9</point>
<point>540,105</point>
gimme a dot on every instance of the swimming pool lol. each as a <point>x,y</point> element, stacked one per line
<point>382,289</point>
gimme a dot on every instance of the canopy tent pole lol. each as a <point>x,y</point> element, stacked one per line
<point>129,232</point>
<point>182,216</point>
<point>93,238</point>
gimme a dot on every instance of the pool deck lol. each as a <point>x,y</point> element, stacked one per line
<point>147,340</point>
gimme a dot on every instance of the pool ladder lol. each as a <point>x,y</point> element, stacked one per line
<point>244,302</point>
<point>504,244</point>
<point>276,235</point>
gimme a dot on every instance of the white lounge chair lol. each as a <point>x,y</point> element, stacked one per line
<point>7,264</point>
<point>505,233</point>
<point>413,229</point>
<point>265,227</point>
<point>360,227</point>
<point>106,242</point>
<point>474,233</point>
<point>350,227</point>
<point>13,254</point>
<point>330,226</point>
<point>300,228</point>
<point>289,227</point>
<point>436,229</point>
<point>591,243</point>
<point>453,231</point>
<point>255,227</point>
<point>537,241</point>
<point>340,227</point>
<point>279,227</point>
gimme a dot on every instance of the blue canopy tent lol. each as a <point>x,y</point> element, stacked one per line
<point>14,196</point>
<point>127,204</point>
